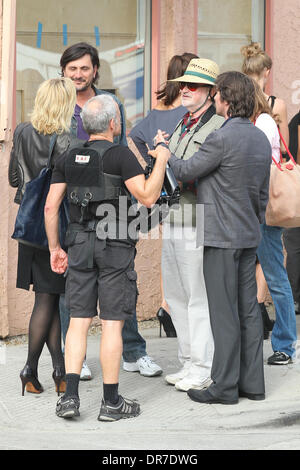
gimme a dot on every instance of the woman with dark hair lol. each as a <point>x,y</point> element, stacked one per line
<point>166,115</point>
<point>53,109</point>
<point>168,111</point>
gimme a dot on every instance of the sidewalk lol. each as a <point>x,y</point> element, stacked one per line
<point>169,419</point>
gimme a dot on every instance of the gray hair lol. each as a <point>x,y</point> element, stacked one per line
<point>97,113</point>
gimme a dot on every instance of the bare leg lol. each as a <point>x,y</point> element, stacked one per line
<point>76,342</point>
<point>111,350</point>
<point>164,304</point>
<point>262,287</point>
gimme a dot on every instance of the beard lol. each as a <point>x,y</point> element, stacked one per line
<point>85,85</point>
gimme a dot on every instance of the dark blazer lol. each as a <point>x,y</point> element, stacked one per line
<point>233,167</point>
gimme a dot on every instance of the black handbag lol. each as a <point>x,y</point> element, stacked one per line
<point>29,225</point>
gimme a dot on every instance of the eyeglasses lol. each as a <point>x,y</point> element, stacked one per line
<point>190,86</point>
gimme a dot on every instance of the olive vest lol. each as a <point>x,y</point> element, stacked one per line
<point>185,148</point>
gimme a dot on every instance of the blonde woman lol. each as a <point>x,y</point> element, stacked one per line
<point>257,64</point>
<point>52,113</point>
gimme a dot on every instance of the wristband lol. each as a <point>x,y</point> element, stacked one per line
<point>163,144</point>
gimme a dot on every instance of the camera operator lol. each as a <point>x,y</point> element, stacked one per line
<point>96,176</point>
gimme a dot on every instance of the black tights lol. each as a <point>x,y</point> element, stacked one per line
<point>44,327</point>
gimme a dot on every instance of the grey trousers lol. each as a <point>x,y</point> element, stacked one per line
<point>185,293</point>
<point>235,320</point>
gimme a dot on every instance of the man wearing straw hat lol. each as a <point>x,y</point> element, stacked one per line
<point>233,167</point>
<point>182,261</point>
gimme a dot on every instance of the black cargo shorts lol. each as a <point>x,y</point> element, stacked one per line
<point>112,280</point>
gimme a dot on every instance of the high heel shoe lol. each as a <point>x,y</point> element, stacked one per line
<point>165,321</point>
<point>59,377</point>
<point>267,322</point>
<point>30,381</point>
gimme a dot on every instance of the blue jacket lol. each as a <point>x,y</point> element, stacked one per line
<point>119,139</point>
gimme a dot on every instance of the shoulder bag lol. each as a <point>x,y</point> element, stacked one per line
<point>29,225</point>
<point>283,208</point>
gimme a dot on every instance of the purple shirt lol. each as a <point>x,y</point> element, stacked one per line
<point>81,134</point>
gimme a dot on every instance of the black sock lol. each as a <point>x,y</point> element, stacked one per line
<point>72,385</point>
<point>110,392</point>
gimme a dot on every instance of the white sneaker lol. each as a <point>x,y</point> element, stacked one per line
<point>174,378</point>
<point>144,365</point>
<point>85,373</point>
<point>189,382</point>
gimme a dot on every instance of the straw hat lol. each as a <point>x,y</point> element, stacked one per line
<point>199,71</point>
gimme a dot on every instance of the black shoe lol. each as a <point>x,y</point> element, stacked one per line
<point>30,381</point>
<point>123,409</point>
<point>279,358</point>
<point>252,396</point>
<point>267,322</point>
<point>204,396</point>
<point>59,377</point>
<point>68,407</point>
<point>165,320</point>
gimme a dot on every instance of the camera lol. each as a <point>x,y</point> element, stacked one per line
<point>170,193</point>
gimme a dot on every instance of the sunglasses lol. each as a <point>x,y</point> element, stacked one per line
<point>190,86</point>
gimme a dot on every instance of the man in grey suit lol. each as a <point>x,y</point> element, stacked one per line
<point>233,169</point>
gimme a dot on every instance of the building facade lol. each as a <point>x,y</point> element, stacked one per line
<point>135,39</point>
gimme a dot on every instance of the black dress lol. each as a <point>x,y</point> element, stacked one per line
<point>28,156</point>
<point>34,268</point>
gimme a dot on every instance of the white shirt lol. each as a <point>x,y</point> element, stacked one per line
<point>267,124</point>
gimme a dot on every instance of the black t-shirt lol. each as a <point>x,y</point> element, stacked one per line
<point>118,160</point>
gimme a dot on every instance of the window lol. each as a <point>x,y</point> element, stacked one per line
<point>224,26</point>
<point>117,29</point>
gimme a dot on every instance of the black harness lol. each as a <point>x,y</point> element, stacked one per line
<point>86,181</point>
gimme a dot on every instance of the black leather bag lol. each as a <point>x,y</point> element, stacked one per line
<point>29,225</point>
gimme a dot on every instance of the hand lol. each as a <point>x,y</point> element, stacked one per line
<point>161,153</point>
<point>161,136</point>
<point>58,260</point>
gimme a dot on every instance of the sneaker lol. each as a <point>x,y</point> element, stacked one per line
<point>172,379</point>
<point>144,365</point>
<point>68,407</point>
<point>279,358</point>
<point>123,409</point>
<point>85,373</point>
<point>189,382</point>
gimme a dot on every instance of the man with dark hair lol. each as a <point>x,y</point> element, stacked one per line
<point>233,169</point>
<point>80,62</point>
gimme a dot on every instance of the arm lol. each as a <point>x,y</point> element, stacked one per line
<point>58,257</point>
<point>147,191</point>
<point>203,162</point>
<point>298,149</point>
<point>13,174</point>
<point>281,109</point>
<point>122,137</point>
<point>264,197</point>
<point>132,146</point>
<point>13,170</point>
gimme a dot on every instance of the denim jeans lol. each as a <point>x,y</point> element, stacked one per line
<point>270,255</point>
<point>134,345</point>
